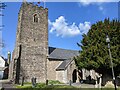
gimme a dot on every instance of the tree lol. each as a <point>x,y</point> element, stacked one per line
<point>94,53</point>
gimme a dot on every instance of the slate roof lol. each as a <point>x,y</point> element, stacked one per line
<point>3,58</point>
<point>64,65</point>
<point>3,68</point>
<point>62,54</point>
<point>6,64</point>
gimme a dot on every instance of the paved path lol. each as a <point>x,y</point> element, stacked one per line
<point>79,85</point>
<point>6,84</point>
<point>83,85</point>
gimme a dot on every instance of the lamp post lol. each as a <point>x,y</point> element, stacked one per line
<point>9,57</point>
<point>108,41</point>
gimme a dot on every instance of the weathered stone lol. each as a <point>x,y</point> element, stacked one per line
<point>31,49</point>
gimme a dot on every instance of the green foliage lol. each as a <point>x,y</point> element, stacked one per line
<point>54,82</point>
<point>56,87</point>
<point>94,53</point>
<point>42,86</point>
<point>29,86</point>
<point>25,86</point>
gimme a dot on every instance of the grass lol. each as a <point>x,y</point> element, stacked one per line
<point>54,85</point>
<point>59,86</point>
<point>52,82</point>
<point>43,86</point>
<point>39,85</point>
<point>25,86</point>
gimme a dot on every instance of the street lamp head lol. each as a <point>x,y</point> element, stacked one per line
<point>8,52</point>
<point>107,39</point>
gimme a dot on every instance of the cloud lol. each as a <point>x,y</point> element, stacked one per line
<point>101,8</point>
<point>99,4</point>
<point>87,2</point>
<point>61,28</point>
<point>84,27</point>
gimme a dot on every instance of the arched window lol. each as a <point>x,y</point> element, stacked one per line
<point>35,18</point>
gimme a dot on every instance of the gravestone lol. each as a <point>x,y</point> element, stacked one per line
<point>22,83</point>
<point>33,81</point>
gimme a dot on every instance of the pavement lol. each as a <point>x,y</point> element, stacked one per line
<point>6,84</point>
<point>79,85</point>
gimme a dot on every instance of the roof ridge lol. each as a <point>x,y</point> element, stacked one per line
<point>63,48</point>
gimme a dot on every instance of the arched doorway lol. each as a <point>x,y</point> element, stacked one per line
<point>74,76</point>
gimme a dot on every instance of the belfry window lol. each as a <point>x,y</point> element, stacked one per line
<point>35,18</point>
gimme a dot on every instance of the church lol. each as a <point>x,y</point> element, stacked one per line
<point>32,57</point>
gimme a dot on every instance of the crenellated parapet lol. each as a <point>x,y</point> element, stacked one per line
<point>31,48</point>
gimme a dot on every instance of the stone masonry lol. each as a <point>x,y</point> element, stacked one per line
<point>31,49</point>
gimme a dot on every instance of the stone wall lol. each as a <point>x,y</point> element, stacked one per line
<point>65,75</point>
<point>51,68</point>
<point>70,70</point>
<point>31,48</point>
<point>61,76</point>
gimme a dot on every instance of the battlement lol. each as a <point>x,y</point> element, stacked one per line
<point>30,4</point>
<point>31,43</point>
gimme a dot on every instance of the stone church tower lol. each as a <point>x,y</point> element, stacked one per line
<point>31,49</point>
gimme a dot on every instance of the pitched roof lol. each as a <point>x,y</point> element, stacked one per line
<point>3,68</point>
<point>3,58</point>
<point>64,65</point>
<point>63,54</point>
